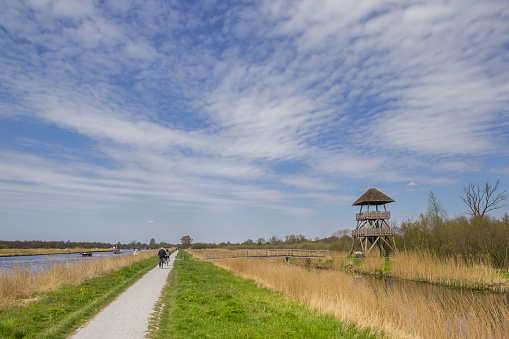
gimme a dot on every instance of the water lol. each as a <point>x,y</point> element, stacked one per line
<point>457,306</point>
<point>38,263</point>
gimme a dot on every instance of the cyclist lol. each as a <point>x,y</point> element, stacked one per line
<point>167,256</point>
<point>162,256</point>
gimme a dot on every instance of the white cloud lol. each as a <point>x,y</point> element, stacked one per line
<point>182,110</point>
<point>140,50</point>
<point>73,8</point>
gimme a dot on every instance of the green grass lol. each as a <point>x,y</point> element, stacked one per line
<point>387,265</point>
<point>504,274</point>
<point>204,301</point>
<point>58,314</point>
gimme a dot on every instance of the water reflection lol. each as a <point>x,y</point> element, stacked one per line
<point>451,312</point>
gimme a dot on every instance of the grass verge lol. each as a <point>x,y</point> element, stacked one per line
<point>205,301</point>
<point>59,313</point>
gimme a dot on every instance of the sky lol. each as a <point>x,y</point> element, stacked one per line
<point>129,120</point>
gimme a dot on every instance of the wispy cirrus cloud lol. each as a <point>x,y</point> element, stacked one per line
<point>224,107</point>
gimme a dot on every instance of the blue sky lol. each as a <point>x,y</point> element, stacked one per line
<point>229,120</point>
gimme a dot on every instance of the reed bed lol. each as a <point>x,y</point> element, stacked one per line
<point>459,271</point>
<point>21,285</point>
<point>400,310</point>
<point>451,271</point>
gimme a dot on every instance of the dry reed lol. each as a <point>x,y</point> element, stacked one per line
<point>459,271</point>
<point>400,309</point>
<point>21,284</point>
<point>451,271</point>
<point>408,265</point>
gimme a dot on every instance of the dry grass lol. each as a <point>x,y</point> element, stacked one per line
<point>402,309</point>
<point>458,272</point>
<point>451,271</point>
<point>20,285</point>
<point>10,252</point>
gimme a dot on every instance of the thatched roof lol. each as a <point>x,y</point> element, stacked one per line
<point>373,197</point>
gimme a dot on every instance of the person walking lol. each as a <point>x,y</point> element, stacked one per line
<point>162,256</point>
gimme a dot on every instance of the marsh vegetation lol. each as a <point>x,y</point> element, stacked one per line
<point>398,308</point>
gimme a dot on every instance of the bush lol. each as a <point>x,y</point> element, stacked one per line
<point>474,238</point>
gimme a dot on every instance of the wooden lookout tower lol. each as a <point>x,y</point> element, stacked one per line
<point>373,227</point>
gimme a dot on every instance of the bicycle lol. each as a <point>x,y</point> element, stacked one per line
<point>161,262</point>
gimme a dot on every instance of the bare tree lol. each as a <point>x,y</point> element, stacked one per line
<point>482,198</point>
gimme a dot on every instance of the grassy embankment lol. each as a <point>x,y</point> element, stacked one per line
<point>58,301</point>
<point>204,301</point>
<point>13,252</point>
<point>402,310</point>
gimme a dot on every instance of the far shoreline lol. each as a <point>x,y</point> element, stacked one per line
<point>16,252</point>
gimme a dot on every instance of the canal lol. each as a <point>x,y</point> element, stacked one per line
<point>38,263</point>
<point>442,312</point>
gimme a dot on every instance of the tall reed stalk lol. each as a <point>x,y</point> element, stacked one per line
<point>401,311</point>
<point>452,271</point>
<point>21,284</point>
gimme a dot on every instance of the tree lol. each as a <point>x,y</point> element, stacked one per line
<point>341,233</point>
<point>152,243</point>
<point>290,239</point>
<point>435,211</point>
<point>273,240</point>
<point>186,241</point>
<point>482,198</point>
<point>248,242</point>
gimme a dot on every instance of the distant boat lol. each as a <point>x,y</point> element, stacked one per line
<point>86,254</point>
<point>117,251</point>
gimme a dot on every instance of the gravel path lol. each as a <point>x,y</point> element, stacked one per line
<point>127,316</point>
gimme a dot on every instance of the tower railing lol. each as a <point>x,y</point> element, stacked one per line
<point>367,232</point>
<point>373,215</point>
